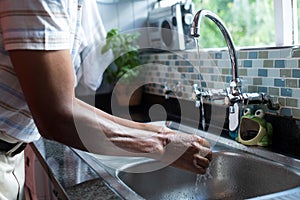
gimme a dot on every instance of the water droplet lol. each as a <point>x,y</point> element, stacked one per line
<point>201,181</point>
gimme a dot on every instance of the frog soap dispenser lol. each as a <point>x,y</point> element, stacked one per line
<point>254,129</point>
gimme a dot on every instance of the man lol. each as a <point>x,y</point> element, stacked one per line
<point>40,44</point>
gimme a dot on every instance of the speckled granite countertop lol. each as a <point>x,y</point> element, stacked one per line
<point>70,175</point>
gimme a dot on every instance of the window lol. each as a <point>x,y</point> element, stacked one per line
<point>259,23</point>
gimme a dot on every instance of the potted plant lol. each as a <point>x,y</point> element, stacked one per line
<point>124,71</point>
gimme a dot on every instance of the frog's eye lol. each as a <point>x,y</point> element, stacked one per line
<point>247,111</point>
<point>259,113</point>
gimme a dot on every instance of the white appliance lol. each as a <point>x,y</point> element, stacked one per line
<point>169,27</point>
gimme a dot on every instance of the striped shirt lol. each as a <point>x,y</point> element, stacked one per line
<point>44,25</point>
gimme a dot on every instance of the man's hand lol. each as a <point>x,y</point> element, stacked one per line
<point>189,152</point>
<point>47,81</point>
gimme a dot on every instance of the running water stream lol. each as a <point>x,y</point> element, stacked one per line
<point>201,97</point>
<point>201,180</point>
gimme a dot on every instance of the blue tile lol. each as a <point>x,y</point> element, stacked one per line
<point>190,69</point>
<point>218,55</point>
<point>175,56</point>
<point>279,82</point>
<point>177,63</point>
<point>247,63</point>
<point>296,73</point>
<point>286,111</point>
<point>279,64</point>
<point>203,84</point>
<point>186,63</point>
<point>263,72</point>
<point>262,89</point>
<point>252,55</point>
<point>228,79</point>
<point>287,92</point>
<point>299,84</point>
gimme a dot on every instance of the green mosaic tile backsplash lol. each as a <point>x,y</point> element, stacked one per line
<point>272,71</point>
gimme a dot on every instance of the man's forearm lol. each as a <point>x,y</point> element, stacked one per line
<point>98,132</point>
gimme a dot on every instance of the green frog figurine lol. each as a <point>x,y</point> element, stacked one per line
<point>254,129</point>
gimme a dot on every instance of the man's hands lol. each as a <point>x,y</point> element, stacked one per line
<point>47,81</point>
<point>187,151</point>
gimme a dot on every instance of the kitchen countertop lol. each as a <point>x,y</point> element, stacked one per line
<point>71,176</point>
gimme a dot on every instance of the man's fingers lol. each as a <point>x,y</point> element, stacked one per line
<point>200,169</point>
<point>203,151</point>
<point>204,142</point>
<point>200,161</point>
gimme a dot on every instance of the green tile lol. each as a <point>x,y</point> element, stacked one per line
<point>243,72</point>
<point>282,101</point>
<point>190,82</point>
<point>293,83</point>
<point>210,85</point>
<point>252,88</point>
<point>291,102</point>
<point>257,81</point>
<point>296,53</point>
<point>242,55</point>
<point>222,78</point>
<point>194,76</point>
<point>274,91</point>
<point>263,54</point>
<point>296,113</point>
<point>268,63</point>
<point>285,73</point>
<point>225,71</point>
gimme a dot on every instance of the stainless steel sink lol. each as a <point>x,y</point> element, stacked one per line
<point>236,172</point>
<point>230,176</point>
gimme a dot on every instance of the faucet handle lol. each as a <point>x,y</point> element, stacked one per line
<point>178,89</point>
<point>196,92</point>
<point>196,95</point>
<point>270,104</point>
<point>167,90</point>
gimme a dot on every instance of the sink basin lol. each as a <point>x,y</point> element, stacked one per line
<point>236,172</point>
<point>232,175</point>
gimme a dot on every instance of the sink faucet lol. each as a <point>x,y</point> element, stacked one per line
<point>177,90</point>
<point>235,84</point>
<point>234,96</point>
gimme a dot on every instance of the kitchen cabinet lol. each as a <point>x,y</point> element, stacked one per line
<point>38,186</point>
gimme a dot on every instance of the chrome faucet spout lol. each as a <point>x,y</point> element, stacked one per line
<point>235,83</point>
<point>233,95</point>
